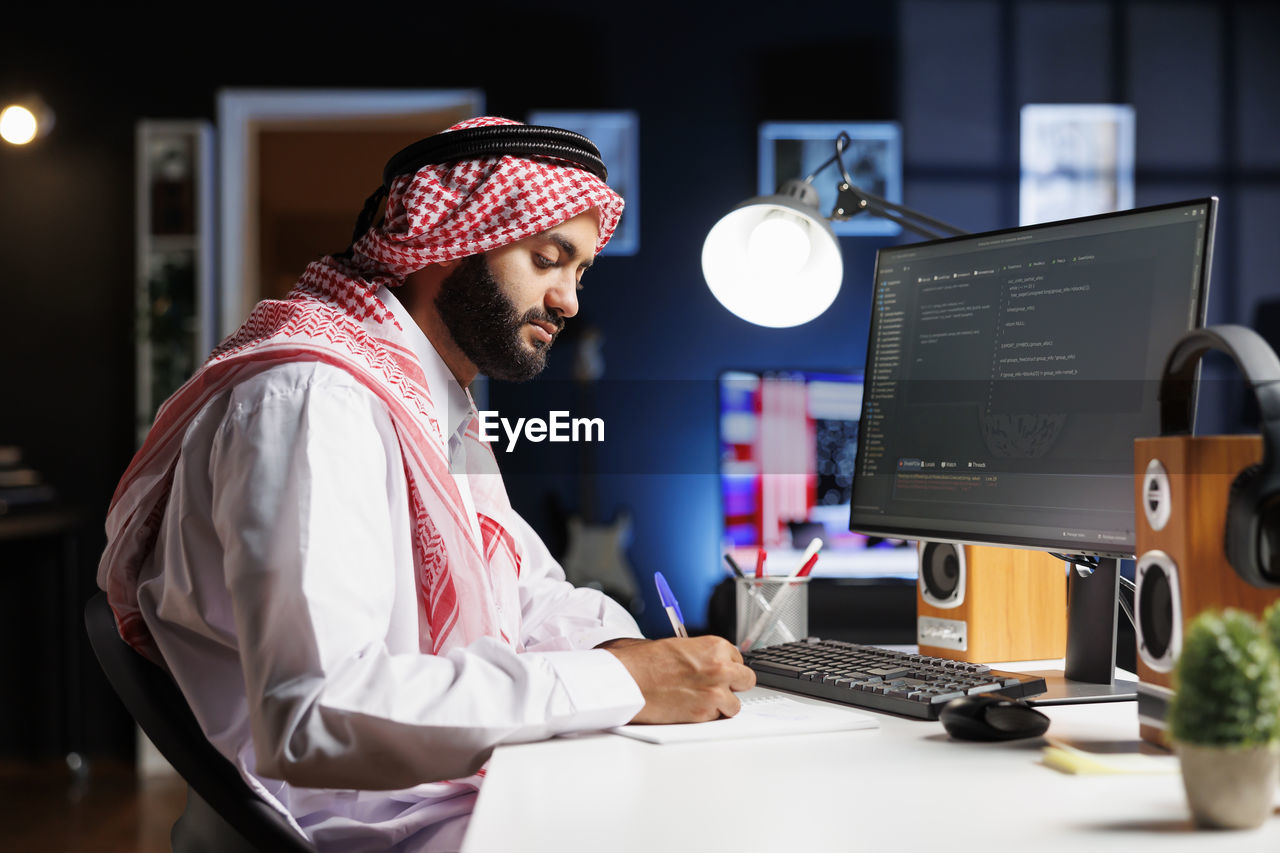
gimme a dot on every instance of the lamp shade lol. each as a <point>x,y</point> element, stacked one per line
<point>774,260</point>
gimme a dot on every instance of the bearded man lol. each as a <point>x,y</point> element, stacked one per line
<point>316,543</point>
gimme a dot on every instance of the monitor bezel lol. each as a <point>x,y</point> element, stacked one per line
<point>968,536</point>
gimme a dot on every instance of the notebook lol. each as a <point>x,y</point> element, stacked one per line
<point>764,714</point>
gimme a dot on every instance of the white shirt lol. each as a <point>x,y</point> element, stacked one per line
<point>282,595</point>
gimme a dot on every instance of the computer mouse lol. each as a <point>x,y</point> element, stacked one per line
<point>988,717</point>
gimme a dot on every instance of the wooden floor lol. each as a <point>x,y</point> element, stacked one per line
<point>44,807</point>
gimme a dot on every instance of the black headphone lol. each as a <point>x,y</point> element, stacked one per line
<point>1252,530</point>
<point>518,140</point>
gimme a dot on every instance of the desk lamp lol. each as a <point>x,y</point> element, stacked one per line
<point>774,260</point>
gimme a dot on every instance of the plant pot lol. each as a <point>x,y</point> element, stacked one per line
<point>1229,787</point>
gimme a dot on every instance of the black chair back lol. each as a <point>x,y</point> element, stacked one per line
<point>153,699</point>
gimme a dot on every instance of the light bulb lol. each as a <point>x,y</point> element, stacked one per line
<point>17,125</point>
<point>779,245</point>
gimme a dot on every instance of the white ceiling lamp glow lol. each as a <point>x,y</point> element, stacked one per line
<point>24,121</point>
<point>774,260</point>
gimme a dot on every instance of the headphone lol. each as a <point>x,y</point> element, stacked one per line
<point>1252,529</point>
<point>517,140</point>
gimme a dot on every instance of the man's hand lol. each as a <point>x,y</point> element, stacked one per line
<point>684,680</point>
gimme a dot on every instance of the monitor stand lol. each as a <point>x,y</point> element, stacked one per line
<point>1089,676</point>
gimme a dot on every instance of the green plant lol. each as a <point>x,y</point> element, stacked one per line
<point>1227,683</point>
<point>1271,622</point>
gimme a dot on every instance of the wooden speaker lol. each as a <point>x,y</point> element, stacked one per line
<point>984,604</point>
<point>1181,489</point>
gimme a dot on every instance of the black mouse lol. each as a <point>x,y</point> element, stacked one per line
<point>988,717</point>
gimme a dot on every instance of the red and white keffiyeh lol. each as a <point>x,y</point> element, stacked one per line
<point>333,315</point>
<point>464,208</point>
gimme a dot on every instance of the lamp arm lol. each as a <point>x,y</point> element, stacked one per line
<point>851,200</point>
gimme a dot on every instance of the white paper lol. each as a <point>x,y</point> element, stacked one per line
<point>763,714</point>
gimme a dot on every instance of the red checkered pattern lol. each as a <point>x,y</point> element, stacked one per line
<point>453,210</point>
<point>332,318</point>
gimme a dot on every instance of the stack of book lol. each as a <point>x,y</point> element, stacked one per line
<point>21,488</point>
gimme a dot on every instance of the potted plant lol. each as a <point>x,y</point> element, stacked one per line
<point>1225,719</point>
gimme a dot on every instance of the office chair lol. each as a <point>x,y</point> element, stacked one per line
<point>223,814</point>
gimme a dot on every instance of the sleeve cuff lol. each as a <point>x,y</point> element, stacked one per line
<point>599,688</point>
<point>589,638</point>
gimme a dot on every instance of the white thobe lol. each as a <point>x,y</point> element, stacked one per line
<point>283,597</point>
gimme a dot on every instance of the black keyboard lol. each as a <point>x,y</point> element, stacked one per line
<point>881,679</point>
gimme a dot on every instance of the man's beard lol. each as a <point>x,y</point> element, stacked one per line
<point>487,327</point>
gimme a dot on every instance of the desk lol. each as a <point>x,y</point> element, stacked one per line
<point>905,786</point>
<point>31,542</point>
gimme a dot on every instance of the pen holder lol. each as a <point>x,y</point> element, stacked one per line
<point>771,610</point>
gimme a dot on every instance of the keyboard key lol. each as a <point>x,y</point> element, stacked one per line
<point>777,668</point>
<point>984,688</point>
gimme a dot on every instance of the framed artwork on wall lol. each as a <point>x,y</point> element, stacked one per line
<point>793,150</point>
<point>617,135</point>
<point>1077,160</point>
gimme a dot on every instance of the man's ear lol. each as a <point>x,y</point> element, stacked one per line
<point>448,266</point>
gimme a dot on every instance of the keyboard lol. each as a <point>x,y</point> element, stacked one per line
<point>881,679</point>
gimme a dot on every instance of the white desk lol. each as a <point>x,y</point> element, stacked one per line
<point>906,786</point>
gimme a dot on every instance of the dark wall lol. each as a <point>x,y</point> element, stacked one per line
<point>954,73</point>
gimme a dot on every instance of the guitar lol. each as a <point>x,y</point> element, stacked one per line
<point>596,552</point>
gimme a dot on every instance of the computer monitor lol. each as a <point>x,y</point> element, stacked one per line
<point>787,444</point>
<point>1009,372</point>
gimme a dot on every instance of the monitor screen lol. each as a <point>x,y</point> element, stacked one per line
<point>787,445</point>
<point>1009,372</point>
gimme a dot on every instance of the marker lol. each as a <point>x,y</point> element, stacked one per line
<point>672,606</point>
<point>809,557</point>
<point>760,555</point>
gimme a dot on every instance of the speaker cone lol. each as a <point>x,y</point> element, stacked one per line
<point>941,572</point>
<point>1159,611</point>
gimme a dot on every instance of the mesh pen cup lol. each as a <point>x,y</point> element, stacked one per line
<point>771,610</point>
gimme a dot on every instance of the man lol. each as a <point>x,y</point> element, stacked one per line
<point>317,544</point>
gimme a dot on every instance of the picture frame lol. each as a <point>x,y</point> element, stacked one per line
<point>793,150</point>
<point>617,135</point>
<point>1076,160</point>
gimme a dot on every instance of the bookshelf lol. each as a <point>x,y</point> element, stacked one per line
<point>174,299</point>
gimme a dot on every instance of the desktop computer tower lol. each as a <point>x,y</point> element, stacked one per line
<point>1181,491</point>
<point>987,604</point>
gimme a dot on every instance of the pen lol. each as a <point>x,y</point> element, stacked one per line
<point>733,564</point>
<point>672,606</point>
<point>760,555</point>
<point>765,622</point>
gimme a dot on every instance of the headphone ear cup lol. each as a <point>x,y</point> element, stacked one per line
<point>1238,529</point>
